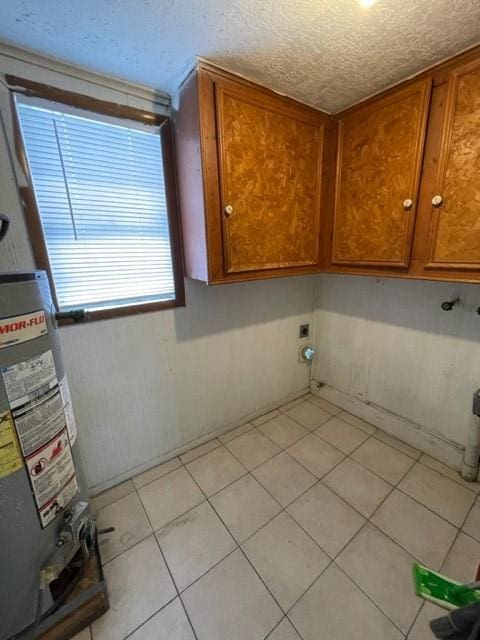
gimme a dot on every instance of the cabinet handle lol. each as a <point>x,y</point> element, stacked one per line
<point>407,204</point>
<point>228,210</point>
<point>437,201</point>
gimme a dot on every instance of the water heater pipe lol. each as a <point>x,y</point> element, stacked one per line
<point>471,456</point>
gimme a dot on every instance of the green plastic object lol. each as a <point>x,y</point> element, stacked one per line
<point>441,590</point>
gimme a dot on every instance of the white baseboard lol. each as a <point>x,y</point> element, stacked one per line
<point>416,435</point>
<point>108,484</point>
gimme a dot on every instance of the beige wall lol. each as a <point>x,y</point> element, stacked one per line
<point>387,343</point>
<point>145,386</point>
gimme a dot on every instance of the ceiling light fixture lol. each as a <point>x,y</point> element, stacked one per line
<point>366,4</point>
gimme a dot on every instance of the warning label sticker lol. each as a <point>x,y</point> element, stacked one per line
<point>29,379</point>
<point>49,510</point>
<point>51,471</point>
<point>10,455</point>
<point>39,420</point>
<point>37,402</point>
<point>23,328</point>
<point>68,409</point>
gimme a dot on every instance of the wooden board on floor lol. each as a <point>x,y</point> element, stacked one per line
<point>90,607</point>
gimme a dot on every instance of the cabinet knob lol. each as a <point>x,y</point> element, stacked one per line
<point>228,210</point>
<point>437,201</point>
<point>407,204</point>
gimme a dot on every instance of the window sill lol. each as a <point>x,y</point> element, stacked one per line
<point>128,310</point>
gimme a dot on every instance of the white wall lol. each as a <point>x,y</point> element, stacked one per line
<point>387,342</point>
<point>147,385</point>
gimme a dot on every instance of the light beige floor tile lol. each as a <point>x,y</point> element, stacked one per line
<point>386,462</point>
<point>83,635</point>
<point>315,454</point>
<point>421,629</point>
<point>157,472</point>
<point>193,543</point>
<point>327,518</point>
<point>283,430</point>
<point>325,405</point>
<point>231,602</point>
<point>308,415</point>
<point>397,444</point>
<point>265,417</point>
<point>170,497</point>
<point>293,403</point>
<point>170,623</point>
<point>358,486</point>
<point>284,478</point>
<point>111,495</point>
<point>244,507</point>
<point>341,435</point>
<point>472,524</point>
<point>200,451</point>
<point>335,609</point>
<point>357,422</point>
<point>284,631</point>
<point>463,558</point>
<point>384,571</point>
<point>131,524</point>
<point>286,558</point>
<point>445,497</point>
<point>234,433</point>
<point>252,448</point>
<point>216,470</point>
<point>139,585</point>
<point>450,473</point>
<point>422,533</point>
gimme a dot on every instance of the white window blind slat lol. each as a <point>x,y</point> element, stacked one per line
<point>100,192</point>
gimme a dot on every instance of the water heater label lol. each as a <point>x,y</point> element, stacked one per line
<point>17,329</point>
<point>28,380</point>
<point>68,409</point>
<point>51,471</point>
<point>10,455</point>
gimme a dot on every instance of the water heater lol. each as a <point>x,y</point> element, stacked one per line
<point>44,514</point>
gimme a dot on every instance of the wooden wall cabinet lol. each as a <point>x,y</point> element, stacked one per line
<point>253,173</point>
<point>408,179</point>
<point>391,187</point>
<point>380,150</point>
<point>453,240</point>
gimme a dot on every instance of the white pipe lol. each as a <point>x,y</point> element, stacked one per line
<point>472,451</point>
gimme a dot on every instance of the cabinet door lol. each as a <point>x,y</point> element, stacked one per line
<point>270,164</point>
<point>380,151</point>
<point>454,238</point>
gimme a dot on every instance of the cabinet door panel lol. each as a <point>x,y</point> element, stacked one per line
<point>379,163</point>
<point>454,239</point>
<point>270,159</point>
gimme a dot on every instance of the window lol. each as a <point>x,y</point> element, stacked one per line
<point>106,207</point>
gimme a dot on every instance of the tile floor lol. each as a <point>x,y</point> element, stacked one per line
<point>300,525</point>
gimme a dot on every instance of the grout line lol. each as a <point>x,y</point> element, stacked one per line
<point>447,555</point>
<point>130,633</point>
<point>318,480</point>
<point>168,568</point>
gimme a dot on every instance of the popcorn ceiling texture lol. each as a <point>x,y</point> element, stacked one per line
<point>328,53</point>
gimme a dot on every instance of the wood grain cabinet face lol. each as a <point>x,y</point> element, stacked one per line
<point>270,164</point>
<point>380,150</point>
<point>254,179</point>
<point>454,237</point>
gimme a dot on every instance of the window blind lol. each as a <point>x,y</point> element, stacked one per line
<point>100,191</point>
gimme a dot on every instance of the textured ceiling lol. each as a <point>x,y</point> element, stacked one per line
<point>329,53</point>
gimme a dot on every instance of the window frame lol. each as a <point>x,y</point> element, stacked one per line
<point>37,238</point>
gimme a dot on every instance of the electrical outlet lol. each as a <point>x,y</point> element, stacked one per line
<point>304,331</point>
